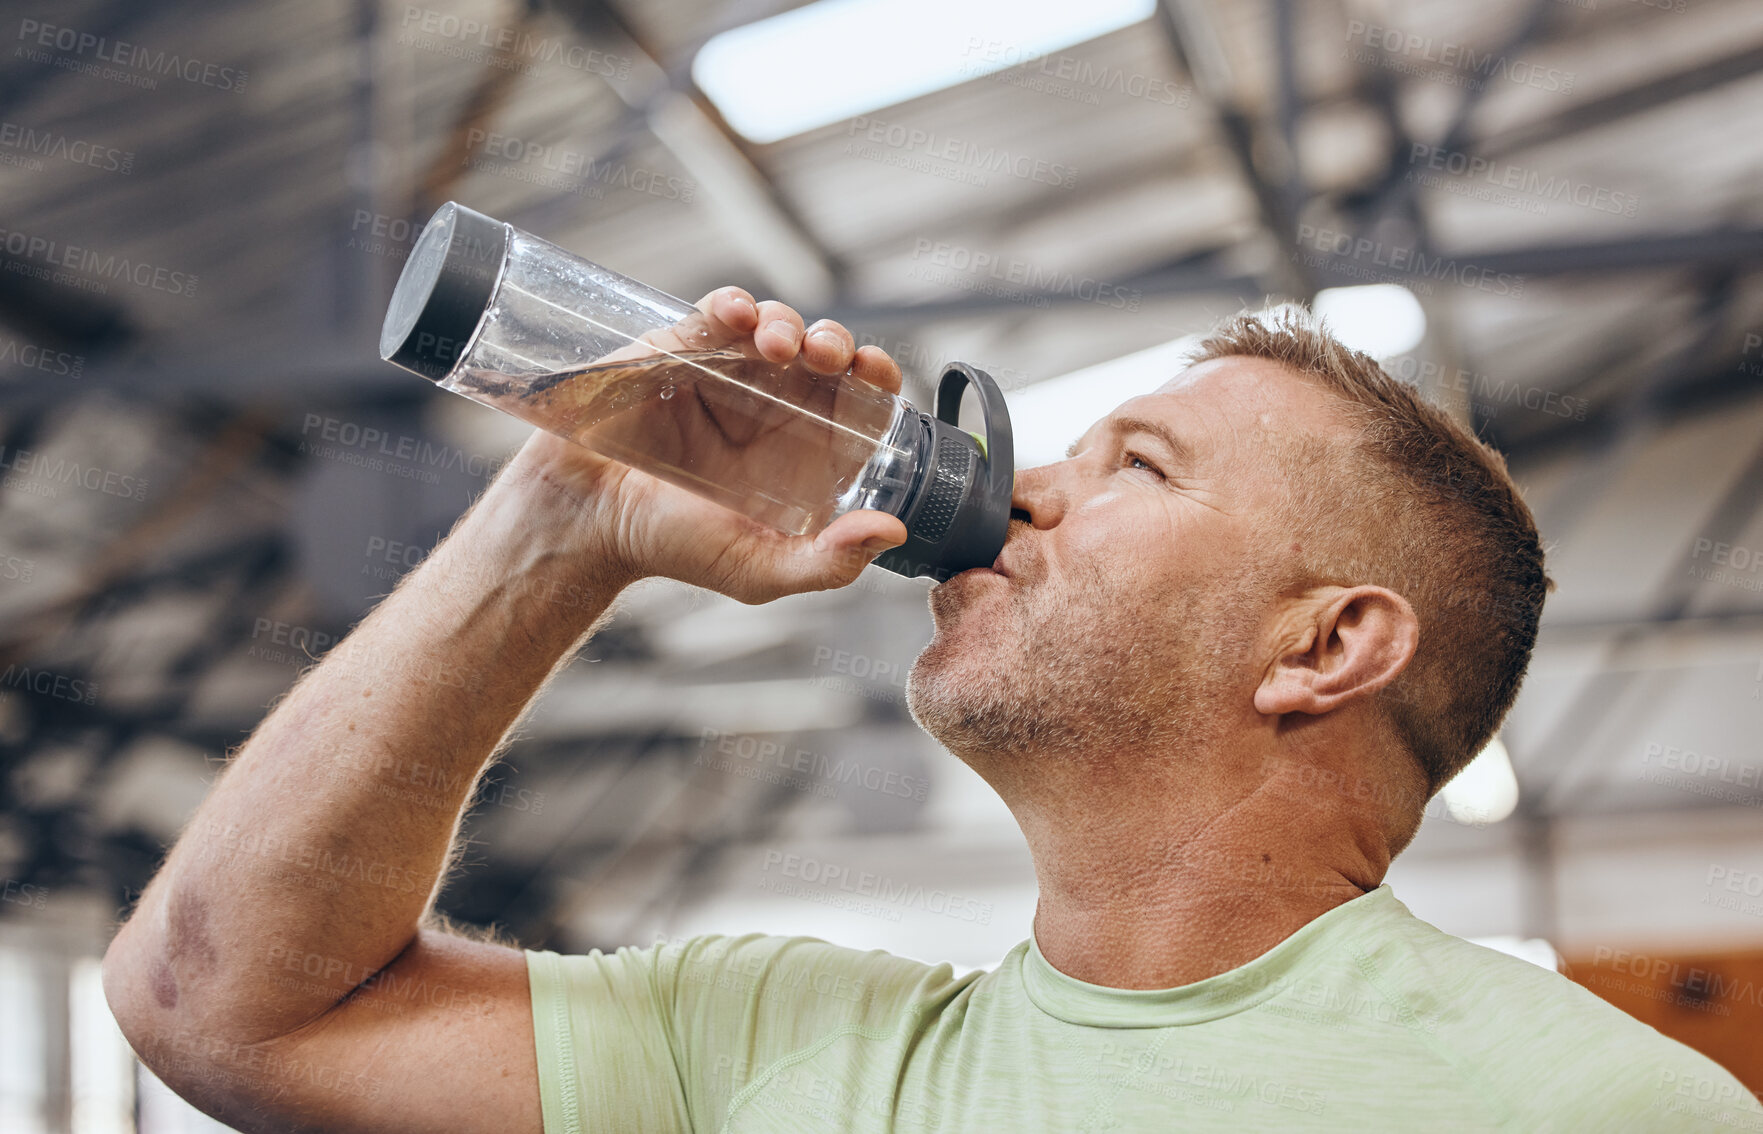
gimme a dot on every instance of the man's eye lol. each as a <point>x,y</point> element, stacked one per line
<point>1135,459</point>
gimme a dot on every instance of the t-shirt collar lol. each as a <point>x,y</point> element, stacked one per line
<point>1079,1002</point>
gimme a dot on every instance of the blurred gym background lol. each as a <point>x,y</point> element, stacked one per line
<point>1545,213</point>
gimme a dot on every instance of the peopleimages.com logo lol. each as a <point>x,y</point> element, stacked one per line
<point>836,879</point>
<point>30,356</point>
<point>141,66</point>
<point>506,47</point>
<point>37,473</point>
<point>1360,257</point>
<point>1445,60</point>
<point>977,158</point>
<point>47,684</point>
<point>86,267</point>
<point>49,143</point>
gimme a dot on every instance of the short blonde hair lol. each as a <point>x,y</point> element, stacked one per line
<point>1421,506</point>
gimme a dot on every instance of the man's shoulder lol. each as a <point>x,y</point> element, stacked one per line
<point>1471,985</point>
<point>805,972</point>
<point>1550,1048</point>
<point>759,953</point>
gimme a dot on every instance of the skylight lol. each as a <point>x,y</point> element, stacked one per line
<point>839,59</point>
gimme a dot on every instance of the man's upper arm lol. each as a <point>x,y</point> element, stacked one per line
<point>1669,1087</point>
<point>439,1040</point>
<point>443,1038</point>
<point>1564,1059</point>
<point>670,1037</point>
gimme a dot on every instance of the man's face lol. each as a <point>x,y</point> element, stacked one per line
<point>1137,574</point>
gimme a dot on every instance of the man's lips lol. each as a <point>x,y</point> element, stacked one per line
<point>997,567</point>
<point>977,572</point>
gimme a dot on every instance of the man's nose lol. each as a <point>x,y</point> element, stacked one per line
<point>1036,498</point>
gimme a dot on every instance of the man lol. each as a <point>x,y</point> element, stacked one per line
<point>1233,643</point>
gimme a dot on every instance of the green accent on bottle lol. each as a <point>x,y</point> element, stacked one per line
<point>980,439</point>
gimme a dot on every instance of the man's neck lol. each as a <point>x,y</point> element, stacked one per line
<point>1134,898</point>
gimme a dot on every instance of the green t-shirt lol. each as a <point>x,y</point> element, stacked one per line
<point>1366,1019</point>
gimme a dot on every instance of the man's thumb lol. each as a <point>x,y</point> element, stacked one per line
<point>851,542</point>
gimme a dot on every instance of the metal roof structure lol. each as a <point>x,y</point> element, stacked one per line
<point>209,475</point>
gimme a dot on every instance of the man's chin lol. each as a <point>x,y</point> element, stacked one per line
<point>932,704</point>
<point>949,674</point>
<point>961,595</point>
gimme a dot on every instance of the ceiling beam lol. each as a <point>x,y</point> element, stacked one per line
<point>1711,247</point>
<point>1650,95</point>
<point>1189,276</point>
<point>757,216</point>
<point>1188,29</point>
<point>1398,192</point>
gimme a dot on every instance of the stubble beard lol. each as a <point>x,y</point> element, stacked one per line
<point>1084,674</point>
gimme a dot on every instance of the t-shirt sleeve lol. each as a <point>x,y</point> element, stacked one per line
<point>1643,1082</point>
<point>1571,1061</point>
<point>605,1057</point>
<point>664,1038</point>
<point>1683,1090</point>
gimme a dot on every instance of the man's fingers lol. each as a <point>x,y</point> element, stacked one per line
<point>827,347</point>
<point>780,331</point>
<point>772,565</point>
<point>859,527</point>
<point>733,308</point>
<point>836,556</point>
<point>875,367</point>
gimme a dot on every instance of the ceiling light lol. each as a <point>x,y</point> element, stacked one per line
<point>1486,791</point>
<point>838,59</point>
<point>1383,320</point>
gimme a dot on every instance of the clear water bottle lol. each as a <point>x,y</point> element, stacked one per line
<point>517,323</point>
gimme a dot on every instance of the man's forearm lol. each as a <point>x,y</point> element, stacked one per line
<point>313,861</point>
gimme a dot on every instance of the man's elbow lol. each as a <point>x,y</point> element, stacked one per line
<point>129,975</point>
<point>168,968</point>
<point>153,1007</point>
<point>174,1036</point>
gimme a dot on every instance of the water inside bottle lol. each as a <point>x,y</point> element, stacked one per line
<point>779,443</point>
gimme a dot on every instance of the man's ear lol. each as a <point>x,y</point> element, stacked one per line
<point>1353,643</point>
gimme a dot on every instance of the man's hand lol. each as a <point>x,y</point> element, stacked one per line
<point>647,527</point>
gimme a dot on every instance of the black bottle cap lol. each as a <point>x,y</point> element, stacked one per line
<point>960,513</point>
<point>447,284</point>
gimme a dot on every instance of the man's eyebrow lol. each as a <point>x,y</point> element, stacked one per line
<point>1123,425</point>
